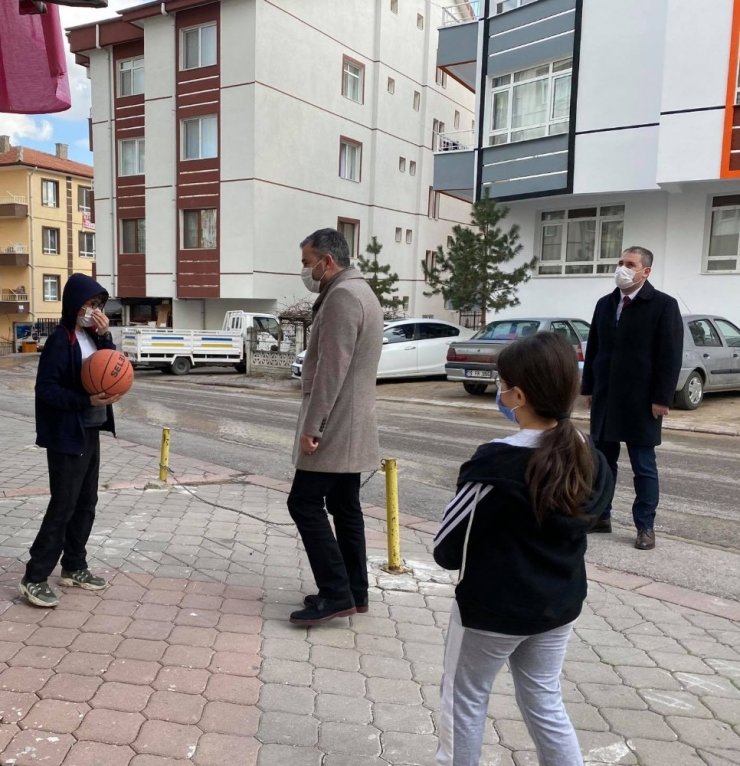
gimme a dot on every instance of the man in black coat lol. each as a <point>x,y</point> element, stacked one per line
<point>633,360</point>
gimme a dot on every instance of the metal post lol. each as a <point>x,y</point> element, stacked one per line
<point>391,498</point>
<point>164,454</point>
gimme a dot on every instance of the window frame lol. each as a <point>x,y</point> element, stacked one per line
<point>133,69</point>
<point>84,192</point>
<point>85,252</point>
<point>347,61</point>
<point>416,103</point>
<point>412,167</point>
<point>550,122</point>
<point>578,214</point>
<point>140,155</point>
<point>354,246</point>
<point>184,137</point>
<point>183,46</point>
<point>139,231</point>
<point>49,183</point>
<point>345,144</point>
<point>47,281</point>
<point>200,246</point>
<point>46,239</point>
<point>718,205</point>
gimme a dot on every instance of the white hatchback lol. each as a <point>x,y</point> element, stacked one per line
<point>412,348</point>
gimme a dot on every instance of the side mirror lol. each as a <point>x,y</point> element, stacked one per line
<point>385,340</point>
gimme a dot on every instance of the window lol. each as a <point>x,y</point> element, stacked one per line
<point>432,330</point>
<point>441,77</point>
<point>133,235</point>
<point>84,198</point>
<point>399,233</point>
<point>412,168</point>
<point>433,204</point>
<point>394,6</point>
<point>409,236</point>
<point>703,334</point>
<point>724,235</point>
<point>405,303</point>
<point>402,164</point>
<point>419,21</point>
<point>131,77</point>
<point>51,287</point>
<point>87,244</point>
<point>350,229</point>
<point>198,47</point>
<point>584,240</point>
<point>399,333</point>
<point>200,138</point>
<point>456,120</point>
<point>50,240</point>
<point>530,103</point>
<point>438,128</point>
<point>199,229</point>
<point>49,193</point>
<point>353,80</point>
<point>509,5</point>
<point>391,85</point>
<point>131,160</point>
<point>350,159</point>
<point>430,261</point>
<point>417,100</point>
<point>730,333</point>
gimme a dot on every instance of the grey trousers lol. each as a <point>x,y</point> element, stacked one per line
<point>472,660</point>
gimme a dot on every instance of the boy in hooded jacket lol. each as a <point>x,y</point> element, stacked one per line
<point>68,425</point>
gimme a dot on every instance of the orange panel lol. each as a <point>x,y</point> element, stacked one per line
<point>728,167</point>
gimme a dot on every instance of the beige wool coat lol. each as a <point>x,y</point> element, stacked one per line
<point>338,379</point>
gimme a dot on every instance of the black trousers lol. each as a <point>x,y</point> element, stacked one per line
<point>339,564</point>
<point>73,483</point>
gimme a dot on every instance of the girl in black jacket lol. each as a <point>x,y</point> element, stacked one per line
<point>516,530</point>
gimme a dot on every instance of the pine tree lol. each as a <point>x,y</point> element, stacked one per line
<point>379,277</point>
<point>468,275</point>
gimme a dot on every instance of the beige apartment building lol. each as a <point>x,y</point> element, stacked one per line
<point>46,234</point>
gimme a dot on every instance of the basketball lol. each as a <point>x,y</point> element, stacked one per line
<point>107,372</point>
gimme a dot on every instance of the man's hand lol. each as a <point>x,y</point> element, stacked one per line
<point>309,444</point>
<point>659,410</point>
<point>101,321</point>
<point>100,400</point>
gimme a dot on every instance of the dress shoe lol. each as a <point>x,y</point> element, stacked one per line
<point>360,604</point>
<point>602,525</point>
<point>645,539</point>
<point>322,610</point>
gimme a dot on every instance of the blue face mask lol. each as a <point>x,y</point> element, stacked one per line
<point>508,412</point>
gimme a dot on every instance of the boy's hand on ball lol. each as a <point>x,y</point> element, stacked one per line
<point>100,400</point>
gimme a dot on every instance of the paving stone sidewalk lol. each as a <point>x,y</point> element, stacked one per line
<point>188,656</point>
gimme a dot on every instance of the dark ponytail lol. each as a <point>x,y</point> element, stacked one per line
<point>560,472</point>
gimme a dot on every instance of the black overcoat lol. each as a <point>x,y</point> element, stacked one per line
<point>632,365</point>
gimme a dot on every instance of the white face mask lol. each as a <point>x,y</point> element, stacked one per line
<point>624,277</point>
<point>312,285</point>
<point>86,320</point>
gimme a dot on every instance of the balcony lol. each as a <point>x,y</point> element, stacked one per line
<point>461,12</point>
<point>454,163</point>
<point>457,50</point>
<point>14,301</point>
<point>15,256</point>
<point>13,206</point>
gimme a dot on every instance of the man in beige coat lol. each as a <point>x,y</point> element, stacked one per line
<point>337,434</point>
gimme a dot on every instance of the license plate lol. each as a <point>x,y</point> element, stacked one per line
<point>478,374</point>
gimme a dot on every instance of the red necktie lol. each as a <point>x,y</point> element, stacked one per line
<point>626,301</point>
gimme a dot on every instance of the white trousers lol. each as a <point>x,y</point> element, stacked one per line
<point>472,660</point>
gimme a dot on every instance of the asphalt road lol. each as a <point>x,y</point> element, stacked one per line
<point>252,431</point>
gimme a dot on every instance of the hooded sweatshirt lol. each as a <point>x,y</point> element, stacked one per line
<point>61,401</point>
<point>517,576</point>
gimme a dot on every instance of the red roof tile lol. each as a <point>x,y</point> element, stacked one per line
<point>22,155</point>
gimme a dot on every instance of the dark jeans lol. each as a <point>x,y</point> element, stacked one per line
<point>645,479</point>
<point>339,564</point>
<point>73,483</point>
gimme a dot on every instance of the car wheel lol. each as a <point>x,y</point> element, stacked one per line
<point>692,393</point>
<point>476,389</point>
<point>180,366</point>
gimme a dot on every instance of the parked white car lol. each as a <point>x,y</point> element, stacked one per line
<point>412,348</point>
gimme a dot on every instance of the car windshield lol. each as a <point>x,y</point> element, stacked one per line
<point>512,329</point>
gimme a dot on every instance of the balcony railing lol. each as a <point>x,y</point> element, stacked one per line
<point>455,141</point>
<point>19,295</point>
<point>16,248</point>
<point>13,199</point>
<point>461,12</point>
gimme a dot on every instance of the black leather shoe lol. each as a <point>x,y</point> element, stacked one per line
<point>602,525</point>
<point>361,605</point>
<point>322,610</point>
<point>645,540</point>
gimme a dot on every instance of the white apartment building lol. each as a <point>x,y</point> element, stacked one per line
<point>604,124</point>
<point>226,131</point>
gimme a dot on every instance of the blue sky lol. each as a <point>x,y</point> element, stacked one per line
<point>69,127</point>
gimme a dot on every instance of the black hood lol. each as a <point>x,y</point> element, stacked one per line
<point>79,289</point>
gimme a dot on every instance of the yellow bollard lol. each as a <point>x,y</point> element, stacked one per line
<point>164,454</point>
<point>391,499</point>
